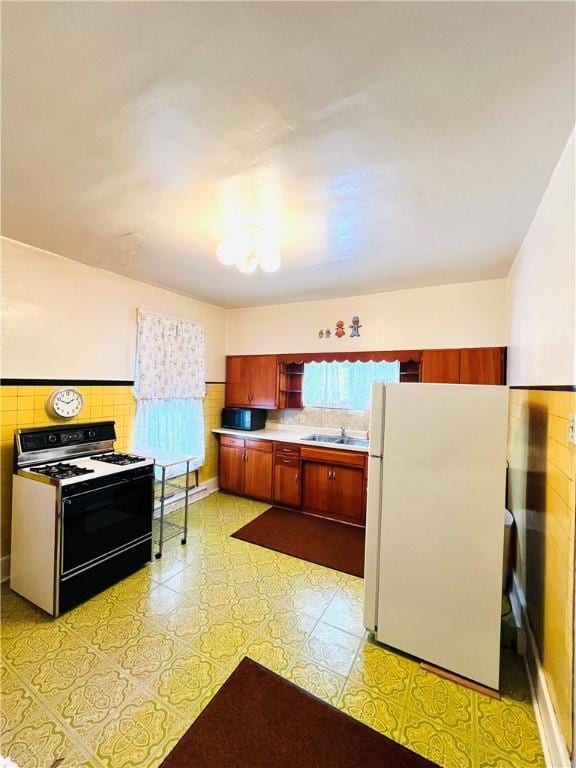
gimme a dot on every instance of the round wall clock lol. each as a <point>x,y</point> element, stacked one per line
<point>65,403</point>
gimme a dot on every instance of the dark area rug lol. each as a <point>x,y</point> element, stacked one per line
<point>324,542</point>
<point>260,720</point>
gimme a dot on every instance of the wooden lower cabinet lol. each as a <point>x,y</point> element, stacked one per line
<point>287,485</point>
<point>258,475</point>
<point>323,481</point>
<point>316,487</point>
<point>348,493</point>
<point>246,469</point>
<point>231,477</point>
<point>334,491</point>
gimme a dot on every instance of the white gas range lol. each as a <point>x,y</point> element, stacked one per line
<point>81,514</point>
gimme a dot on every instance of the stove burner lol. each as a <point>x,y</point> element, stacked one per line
<point>61,471</point>
<point>118,458</point>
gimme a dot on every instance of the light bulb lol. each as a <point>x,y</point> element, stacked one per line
<point>229,253</point>
<point>236,248</point>
<point>268,254</point>
<point>247,264</point>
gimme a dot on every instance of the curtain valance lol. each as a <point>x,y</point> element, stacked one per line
<point>170,358</point>
<point>402,356</point>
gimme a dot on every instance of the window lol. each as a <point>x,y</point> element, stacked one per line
<point>175,426</point>
<point>169,387</point>
<point>344,385</point>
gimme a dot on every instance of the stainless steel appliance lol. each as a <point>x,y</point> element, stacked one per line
<point>243,418</point>
<point>81,514</point>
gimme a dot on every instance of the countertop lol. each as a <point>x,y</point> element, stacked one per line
<point>284,433</point>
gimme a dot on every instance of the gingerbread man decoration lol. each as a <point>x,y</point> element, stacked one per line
<point>355,326</point>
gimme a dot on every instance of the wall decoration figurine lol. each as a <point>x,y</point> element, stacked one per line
<point>340,329</point>
<point>320,334</point>
<point>327,333</point>
<point>355,326</point>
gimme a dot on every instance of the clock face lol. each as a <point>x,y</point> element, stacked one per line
<point>65,403</point>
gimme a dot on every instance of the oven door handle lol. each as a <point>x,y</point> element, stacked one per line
<point>68,499</point>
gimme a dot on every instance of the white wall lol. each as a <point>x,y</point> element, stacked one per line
<point>462,315</point>
<point>542,288</point>
<point>66,320</point>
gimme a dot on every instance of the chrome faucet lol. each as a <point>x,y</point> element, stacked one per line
<point>342,431</point>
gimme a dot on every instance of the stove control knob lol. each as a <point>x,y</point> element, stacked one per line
<point>91,434</point>
<point>52,438</point>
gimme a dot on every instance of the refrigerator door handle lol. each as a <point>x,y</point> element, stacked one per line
<point>372,548</point>
<point>378,399</point>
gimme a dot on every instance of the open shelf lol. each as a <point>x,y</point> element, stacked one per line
<point>290,385</point>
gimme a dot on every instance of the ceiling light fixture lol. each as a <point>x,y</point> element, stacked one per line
<point>249,249</point>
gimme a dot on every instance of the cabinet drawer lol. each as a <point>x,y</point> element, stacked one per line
<point>286,461</point>
<point>259,445</point>
<point>231,442</point>
<point>333,456</point>
<point>283,449</point>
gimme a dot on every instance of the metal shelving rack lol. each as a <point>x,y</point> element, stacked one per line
<point>164,530</point>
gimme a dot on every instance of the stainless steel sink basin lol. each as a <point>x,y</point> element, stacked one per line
<point>322,438</point>
<point>358,441</point>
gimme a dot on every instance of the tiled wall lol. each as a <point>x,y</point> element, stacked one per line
<point>322,417</point>
<point>542,481</point>
<point>24,406</point>
<point>213,404</point>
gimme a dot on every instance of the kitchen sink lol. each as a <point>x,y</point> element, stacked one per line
<point>322,438</point>
<point>358,441</point>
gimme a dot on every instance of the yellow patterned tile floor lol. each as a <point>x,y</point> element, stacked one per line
<point>116,682</point>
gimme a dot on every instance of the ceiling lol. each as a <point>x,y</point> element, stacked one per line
<point>394,144</point>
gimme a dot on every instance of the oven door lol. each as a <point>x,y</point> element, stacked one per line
<point>103,521</point>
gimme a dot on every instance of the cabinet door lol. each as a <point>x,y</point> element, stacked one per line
<point>441,366</point>
<point>348,494</point>
<point>258,475</point>
<point>287,485</point>
<point>263,381</point>
<point>238,381</point>
<point>231,474</point>
<point>482,366</point>
<point>316,487</point>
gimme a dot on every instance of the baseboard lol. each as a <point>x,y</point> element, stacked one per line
<point>555,752</point>
<point>205,489</point>
<point>4,568</point>
<point>176,502</point>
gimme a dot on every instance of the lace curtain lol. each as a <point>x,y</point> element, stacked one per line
<point>169,387</point>
<point>344,385</point>
<point>170,358</point>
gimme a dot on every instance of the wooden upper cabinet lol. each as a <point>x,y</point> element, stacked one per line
<point>441,366</point>
<point>252,381</point>
<point>237,382</point>
<point>484,365</point>
<point>479,365</point>
<point>264,382</point>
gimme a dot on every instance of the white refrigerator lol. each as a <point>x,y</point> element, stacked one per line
<point>435,523</point>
